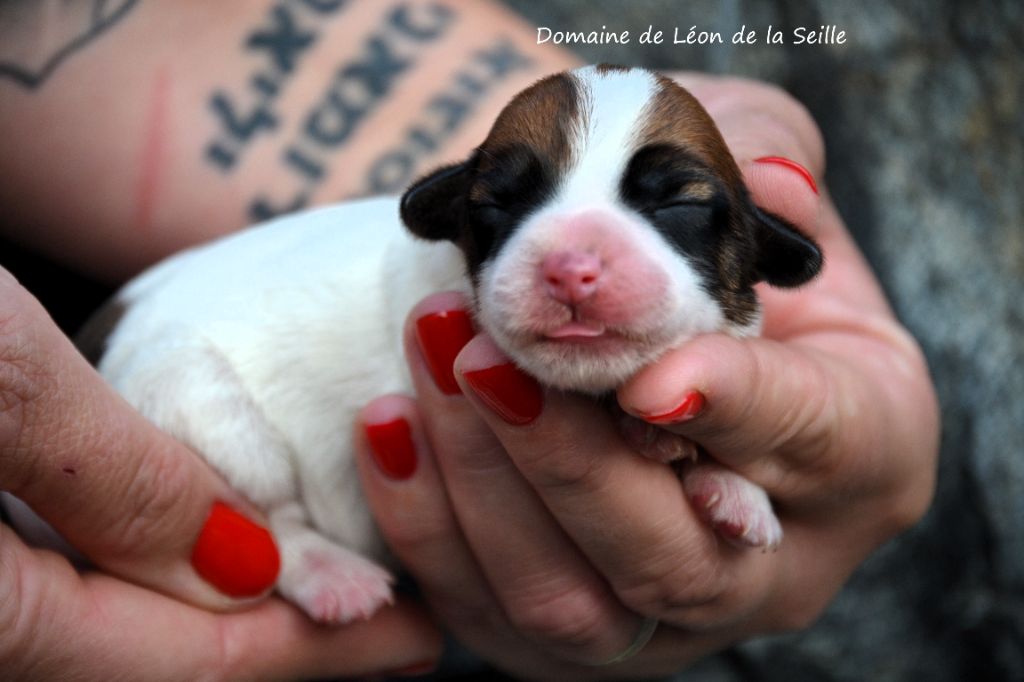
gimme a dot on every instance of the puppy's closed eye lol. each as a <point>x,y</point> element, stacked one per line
<point>665,176</point>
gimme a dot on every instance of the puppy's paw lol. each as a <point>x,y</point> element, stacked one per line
<point>334,585</point>
<point>655,442</point>
<point>737,509</point>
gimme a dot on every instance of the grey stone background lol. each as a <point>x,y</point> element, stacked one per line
<point>922,115</point>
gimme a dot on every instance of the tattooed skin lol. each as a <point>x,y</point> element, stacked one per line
<point>354,91</point>
<point>206,120</point>
<point>40,36</point>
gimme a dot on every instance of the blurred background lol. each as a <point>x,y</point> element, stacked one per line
<point>922,111</point>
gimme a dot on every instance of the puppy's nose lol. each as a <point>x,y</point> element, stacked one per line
<point>570,276</point>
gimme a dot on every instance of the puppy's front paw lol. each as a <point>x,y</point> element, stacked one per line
<point>334,585</point>
<point>737,509</point>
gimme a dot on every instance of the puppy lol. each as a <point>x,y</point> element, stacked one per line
<point>601,223</point>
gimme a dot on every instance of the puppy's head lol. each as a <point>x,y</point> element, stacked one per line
<point>604,221</point>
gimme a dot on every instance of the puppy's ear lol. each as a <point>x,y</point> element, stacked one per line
<point>434,206</point>
<point>785,258</point>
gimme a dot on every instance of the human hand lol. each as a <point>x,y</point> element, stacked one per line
<point>135,501</point>
<point>544,542</point>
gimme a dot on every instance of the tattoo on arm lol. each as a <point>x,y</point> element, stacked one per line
<point>443,115</point>
<point>353,92</point>
<point>280,42</point>
<point>27,61</point>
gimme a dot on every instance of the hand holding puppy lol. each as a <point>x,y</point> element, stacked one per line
<point>172,539</point>
<point>547,545</point>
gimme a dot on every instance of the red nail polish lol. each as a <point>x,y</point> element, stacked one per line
<point>441,336</point>
<point>393,449</point>
<point>235,555</point>
<point>515,396</point>
<point>692,405</point>
<point>792,165</point>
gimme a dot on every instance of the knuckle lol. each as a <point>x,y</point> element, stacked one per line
<point>565,469</point>
<point>573,619</point>
<point>412,531</point>
<point>155,488</point>
<point>28,604</point>
<point>24,382</point>
<point>12,607</point>
<point>675,593</point>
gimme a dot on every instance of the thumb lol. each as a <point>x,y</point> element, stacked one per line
<point>128,496</point>
<point>741,399</point>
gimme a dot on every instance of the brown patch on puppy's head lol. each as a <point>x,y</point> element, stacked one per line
<point>682,155</point>
<point>519,165</point>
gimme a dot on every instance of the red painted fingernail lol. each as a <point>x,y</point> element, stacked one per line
<point>441,336</point>
<point>393,449</point>
<point>692,405</point>
<point>792,165</point>
<point>515,396</point>
<point>235,555</point>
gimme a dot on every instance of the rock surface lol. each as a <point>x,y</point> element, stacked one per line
<point>923,119</point>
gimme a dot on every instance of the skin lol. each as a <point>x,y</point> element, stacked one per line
<point>542,546</point>
<point>117,149</point>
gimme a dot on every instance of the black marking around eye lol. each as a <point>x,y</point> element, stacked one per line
<point>682,199</point>
<point>510,183</point>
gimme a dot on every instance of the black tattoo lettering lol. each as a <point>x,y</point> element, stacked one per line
<point>443,115</point>
<point>261,209</point>
<point>70,27</point>
<point>354,93</point>
<point>283,41</point>
<point>280,42</point>
<point>355,90</point>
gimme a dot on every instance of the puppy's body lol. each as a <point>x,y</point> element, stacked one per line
<point>259,348</point>
<point>601,223</point>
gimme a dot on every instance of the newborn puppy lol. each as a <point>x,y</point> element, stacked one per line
<point>601,223</point>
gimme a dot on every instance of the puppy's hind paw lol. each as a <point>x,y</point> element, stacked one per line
<point>335,586</point>
<point>737,509</point>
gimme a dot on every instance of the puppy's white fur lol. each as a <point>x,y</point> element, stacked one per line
<point>257,351</point>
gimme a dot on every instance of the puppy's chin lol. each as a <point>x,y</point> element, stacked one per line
<point>591,364</point>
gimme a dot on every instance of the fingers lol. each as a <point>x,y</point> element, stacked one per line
<point>627,514</point>
<point>562,510</point>
<point>131,498</point>
<point>57,622</point>
<point>756,397</point>
<point>543,584</point>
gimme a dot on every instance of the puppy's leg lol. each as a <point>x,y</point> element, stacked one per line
<point>332,584</point>
<point>737,509</point>
<point>194,392</point>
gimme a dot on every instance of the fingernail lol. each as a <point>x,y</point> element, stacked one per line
<point>693,404</point>
<point>441,336</point>
<point>235,555</point>
<point>792,165</point>
<point>515,396</point>
<point>393,449</point>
